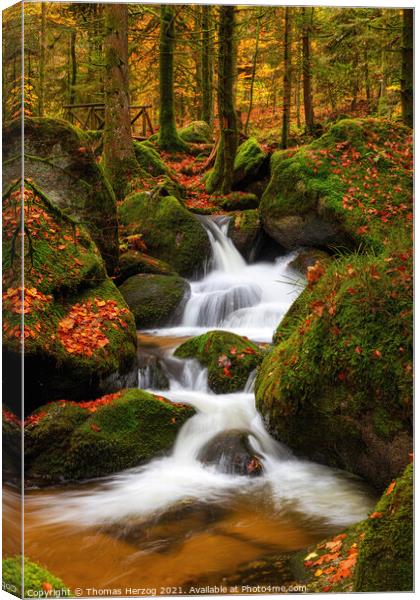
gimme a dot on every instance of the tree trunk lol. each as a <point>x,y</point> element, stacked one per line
<point>168,135</point>
<point>367,78</point>
<point>287,79</point>
<point>73,67</point>
<point>42,43</point>
<point>221,179</point>
<point>206,67</point>
<point>407,67</point>
<point>119,158</point>
<point>254,68</point>
<point>307,73</point>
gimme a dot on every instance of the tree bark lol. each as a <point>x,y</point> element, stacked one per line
<point>42,43</point>
<point>73,67</point>
<point>206,67</point>
<point>407,67</point>
<point>287,79</point>
<point>168,135</point>
<point>221,179</point>
<point>119,158</point>
<point>307,73</point>
<point>254,68</point>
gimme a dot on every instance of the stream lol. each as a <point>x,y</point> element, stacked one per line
<point>174,522</point>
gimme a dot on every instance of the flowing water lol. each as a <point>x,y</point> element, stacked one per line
<point>175,522</point>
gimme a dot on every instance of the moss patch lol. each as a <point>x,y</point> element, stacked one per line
<point>133,262</point>
<point>169,230</point>
<point>70,441</point>
<point>149,159</point>
<point>237,201</point>
<point>35,578</point>
<point>228,357</point>
<point>155,299</point>
<point>249,160</point>
<point>197,132</point>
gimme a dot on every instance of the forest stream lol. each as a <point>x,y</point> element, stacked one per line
<point>174,522</point>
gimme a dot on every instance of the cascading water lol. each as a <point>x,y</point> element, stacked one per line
<point>248,300</point>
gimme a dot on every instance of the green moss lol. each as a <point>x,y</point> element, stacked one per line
<point>149,159</point>
<point>197,132</point>
<point>237,201</point>
<point>169,230</point>
<point>248,160</point>
<point>386,553</point>
<point>155,299</point>
<point>73,442</point>
<point>133,262</point>
<point>228,357</point>
<point>35,578</point>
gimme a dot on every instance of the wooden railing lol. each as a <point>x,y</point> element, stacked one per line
<point>92,116</point>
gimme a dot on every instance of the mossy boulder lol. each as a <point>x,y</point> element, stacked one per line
<point>320,195</point>
<point>245,231</point>
<point>308,257</point>
<point>133,262</point>
<point>338,385</point>
<point>237,201</point>
<point>71,441</point>
<point>59,160</point>
<point>385,561</point>
<point>149,159</point>
<point>170,231</point>
<point>229,358</point>
<point>155,300</point>
<point>251,163</point>
<point>80,337</point>
<point>37,581</point>
<point>197,132</point>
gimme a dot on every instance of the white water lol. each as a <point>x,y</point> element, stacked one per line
<point>316,491</point>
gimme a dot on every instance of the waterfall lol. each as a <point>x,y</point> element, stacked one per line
<point>246,299</point>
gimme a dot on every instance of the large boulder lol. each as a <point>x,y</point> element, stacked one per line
<point>197,132</point>
<point>80,337</point>
<point>229,358</point>
<point>133,262</point>
<point>245,231</point>
<point>155,300</point>
<point>149,159</point>
<point>71,441</point>
<point>231,452</point>
<point>170,231</point>
<point>59,160</point>
<point>251,164</point>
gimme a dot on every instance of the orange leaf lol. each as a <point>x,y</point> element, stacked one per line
<point>376,515</point>
<point>391,487</point>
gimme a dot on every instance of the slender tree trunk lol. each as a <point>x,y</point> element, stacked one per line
<point>221,178</point>
<point>287,79</point>
<point>206,67</point>
<point>407,67</point>
<point>168,135</point>
<point>42,43</point>
<point>367,78</point>
<point>119,158</point>
<point>307,72</point>
<point>73,67</point>
<point>254,69</point>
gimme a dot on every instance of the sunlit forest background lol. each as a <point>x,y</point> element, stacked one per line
<point>354,62</point>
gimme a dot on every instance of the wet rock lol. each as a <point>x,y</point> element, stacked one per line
<point>133,262</point>
<point>231,452</point>
<point>151,374</point>
<point>245,231</point>
<point>307,258</point>
<point>155,300</point>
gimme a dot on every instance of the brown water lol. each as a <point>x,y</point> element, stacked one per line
<point>196,544</point>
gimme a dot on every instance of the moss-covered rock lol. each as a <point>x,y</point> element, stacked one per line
<point>237,201</point>
<point>197,132</point>
<point>149,159</point>
<point>11,445</point>
<point>80,337</point>
<point>244,231</point>
<point>308,257</point>
<point>338,386</point>
<point>155,300</point>
<point>169,230</point>
<point>385,561</point>
<point>60,161</point>
<point>320,195</point>
<point>72,441</point>
<point>251,163</point>
<point>133,262</point>
<point>37,581</point>
<point>229,359</point>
